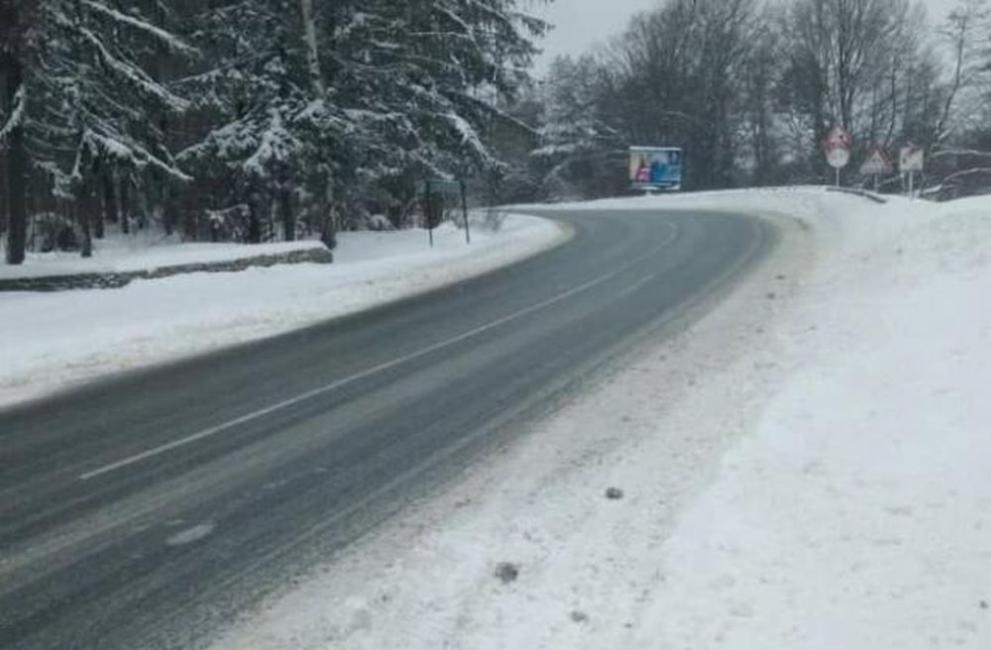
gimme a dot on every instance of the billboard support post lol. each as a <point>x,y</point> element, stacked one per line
<point>430,215</point>
<point>464,210</point>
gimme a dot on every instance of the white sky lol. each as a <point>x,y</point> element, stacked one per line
<point>581,24</point>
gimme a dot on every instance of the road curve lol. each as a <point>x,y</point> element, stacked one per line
<point>148,510</point>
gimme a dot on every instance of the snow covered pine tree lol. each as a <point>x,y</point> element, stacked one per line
<point>286,113</point>
<point>85,105</point>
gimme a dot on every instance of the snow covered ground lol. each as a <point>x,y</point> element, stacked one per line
<point>54,340</point>
<point>807,466</point>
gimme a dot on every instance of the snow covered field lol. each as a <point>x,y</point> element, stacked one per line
<point>55,340</point>
<point>808,466</point>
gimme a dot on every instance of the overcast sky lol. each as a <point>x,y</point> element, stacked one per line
<point>580,24</point>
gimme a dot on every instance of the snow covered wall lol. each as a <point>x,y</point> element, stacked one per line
<point>55,274</point>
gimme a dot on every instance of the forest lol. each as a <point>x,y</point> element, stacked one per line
<point>262,120</point>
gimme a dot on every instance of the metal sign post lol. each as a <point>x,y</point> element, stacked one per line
<point>438,193</point>
<point>911,159</point>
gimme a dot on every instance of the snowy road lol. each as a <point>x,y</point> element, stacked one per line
<point>146,511</point>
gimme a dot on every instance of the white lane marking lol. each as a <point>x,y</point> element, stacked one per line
<point>254,415</point>
<point>636,285</point>
<point>190,535</point>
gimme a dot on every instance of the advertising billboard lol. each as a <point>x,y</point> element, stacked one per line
<point>656,168</point>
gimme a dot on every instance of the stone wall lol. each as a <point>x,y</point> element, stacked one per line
<point>115,280</point>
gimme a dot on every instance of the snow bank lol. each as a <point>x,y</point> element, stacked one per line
<point>51,341</point>
<point>857,513</point>
<point>806,467</point>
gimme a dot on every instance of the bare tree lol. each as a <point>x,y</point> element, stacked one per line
<point>865,65</point>
<point>964,32</point>
<point>678,79</point>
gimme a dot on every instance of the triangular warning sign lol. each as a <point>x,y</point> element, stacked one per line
<point>877,164</point>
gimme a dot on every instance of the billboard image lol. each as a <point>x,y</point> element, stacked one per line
<point>655,168</point>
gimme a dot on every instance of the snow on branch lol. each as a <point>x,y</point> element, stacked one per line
<point>230,141</point>
<point>495,15</point>
<point>469,136</point>
<point>496,112</point>
<point>466,30</point>
<point>16,115</point>
<point>134,74</point>
<point>962,152</point>
<point>317,113</point>
<point>277,145</point>
<point>132,153</point>
<point>171,41</point>
<point>977,171</point>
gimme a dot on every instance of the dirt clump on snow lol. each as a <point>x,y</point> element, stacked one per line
<point>507,572</point>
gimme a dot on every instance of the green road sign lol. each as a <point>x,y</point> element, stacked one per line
<point>439,186</point>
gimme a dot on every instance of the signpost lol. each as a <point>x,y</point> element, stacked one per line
<point>911,159</point>
<point>434,192</point>
<point>877,164</point>
<point>837,146</point>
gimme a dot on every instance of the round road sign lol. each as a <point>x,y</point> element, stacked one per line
<point>838,158</point>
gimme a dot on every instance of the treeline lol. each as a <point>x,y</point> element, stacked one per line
<point>252,120</point>
<point>750,89</point>
<point>246,119</point>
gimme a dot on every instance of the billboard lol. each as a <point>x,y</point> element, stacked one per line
<point>656,168</point>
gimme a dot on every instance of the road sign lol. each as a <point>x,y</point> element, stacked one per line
<point>877,164</point>
<point>838,138</point>
<point>438,186</point>
<point>837,146</point>
<point>838,158</point>
<point>912,159</point>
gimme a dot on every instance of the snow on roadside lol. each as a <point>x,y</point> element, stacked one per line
<point>805,467</point>
<point>857,514</point>
<point>55,340</point>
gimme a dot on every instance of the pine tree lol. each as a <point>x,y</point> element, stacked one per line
<point>83,103</point>
<point>285,114</point>
<point>348,98</point>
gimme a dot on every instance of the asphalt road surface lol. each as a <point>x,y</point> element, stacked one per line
<point>149,510</point>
